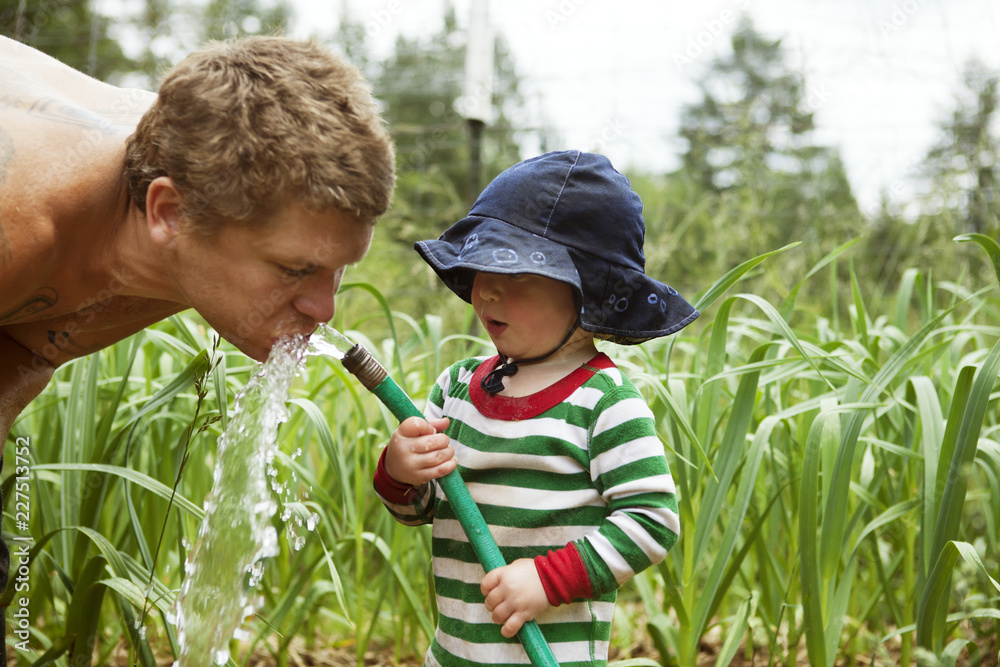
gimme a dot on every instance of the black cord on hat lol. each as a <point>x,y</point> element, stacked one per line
<point>493,382</point>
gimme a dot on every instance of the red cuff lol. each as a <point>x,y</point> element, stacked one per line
<point>387,487</point>
<point>564,576</point>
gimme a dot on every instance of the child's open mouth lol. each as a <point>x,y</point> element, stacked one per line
<point>495,327</point>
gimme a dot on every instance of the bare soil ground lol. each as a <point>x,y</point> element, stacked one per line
<point>344,656</point>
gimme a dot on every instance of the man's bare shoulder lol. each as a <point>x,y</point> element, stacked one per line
<point>39,84</point>
<point>62,135</point>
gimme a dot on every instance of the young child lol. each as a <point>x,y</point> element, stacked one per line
<point>557,447</point>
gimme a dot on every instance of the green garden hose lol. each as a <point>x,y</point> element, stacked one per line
<point>376,379</point>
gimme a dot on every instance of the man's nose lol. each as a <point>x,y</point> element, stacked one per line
<point>317,300</point>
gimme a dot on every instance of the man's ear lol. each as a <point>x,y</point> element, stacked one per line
<point>163,216</point>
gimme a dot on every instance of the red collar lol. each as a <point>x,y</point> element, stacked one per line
<point>506,408</point>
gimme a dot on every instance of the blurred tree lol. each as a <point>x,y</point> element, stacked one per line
<point>419,85</point>
<point>963,166</point>
<point>351,38</point>
<point>169,29</point>
<point>159,33</point>
<point>752,119</point>
<point>225,19</point>
<point>752,172</point>
<point>70,31</point>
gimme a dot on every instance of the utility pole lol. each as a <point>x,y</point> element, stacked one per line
<point>477,97</point>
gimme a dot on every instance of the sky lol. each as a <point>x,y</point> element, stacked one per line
<point>613,77</point>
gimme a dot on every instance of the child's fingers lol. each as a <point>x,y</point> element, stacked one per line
<point>414,427</point>
<point>429,457</point>
<point>428,444</point>
<point>506,615</point>
<point>444,468</point>
<point>490,582</point>
<point>435,458</point>
<point>439,424</point>
<point>513,624</point>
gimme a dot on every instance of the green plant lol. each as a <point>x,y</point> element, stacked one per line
<point>784,426</point>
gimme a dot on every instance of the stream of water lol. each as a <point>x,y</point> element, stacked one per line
<point>222,571</point>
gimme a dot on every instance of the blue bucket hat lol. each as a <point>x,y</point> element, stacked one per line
<point>569,216</point>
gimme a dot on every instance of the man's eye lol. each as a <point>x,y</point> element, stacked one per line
<point>297,273</point>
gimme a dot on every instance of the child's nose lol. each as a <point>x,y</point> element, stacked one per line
<point>488,287</point>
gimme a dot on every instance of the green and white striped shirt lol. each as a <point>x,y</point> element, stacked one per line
<point>578,462</point>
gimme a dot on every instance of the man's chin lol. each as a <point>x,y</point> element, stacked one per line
<point>255,352</point>
<point>258,354</point>
<point>253,349</point>
<point>259,350</point>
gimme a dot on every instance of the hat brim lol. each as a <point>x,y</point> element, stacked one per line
<point>626,306</point>
<point>476,244</point>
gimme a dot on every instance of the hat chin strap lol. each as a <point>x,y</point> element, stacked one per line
<point>493,382</point>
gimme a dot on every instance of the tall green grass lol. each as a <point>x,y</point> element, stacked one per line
<point>839,483</point>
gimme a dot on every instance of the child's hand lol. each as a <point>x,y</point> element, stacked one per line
<point>514,595</point>
<point>418,452</point>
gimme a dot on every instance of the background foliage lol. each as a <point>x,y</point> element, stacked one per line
<point>831,419</point>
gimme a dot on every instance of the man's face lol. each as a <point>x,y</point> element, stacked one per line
<point>253,285</point>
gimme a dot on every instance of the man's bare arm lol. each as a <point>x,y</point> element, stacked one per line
<point>23,376</point>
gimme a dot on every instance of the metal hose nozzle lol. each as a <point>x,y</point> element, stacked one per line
<point>360,363</point>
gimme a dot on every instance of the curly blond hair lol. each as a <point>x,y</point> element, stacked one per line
<point>247,126</point>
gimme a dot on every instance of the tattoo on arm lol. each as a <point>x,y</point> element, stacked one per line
<point>20,92</point>
<point>66,343</point>
<point>46,298</point>
<point>57,110</point>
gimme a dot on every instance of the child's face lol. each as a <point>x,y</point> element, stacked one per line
<point>525,315</point>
